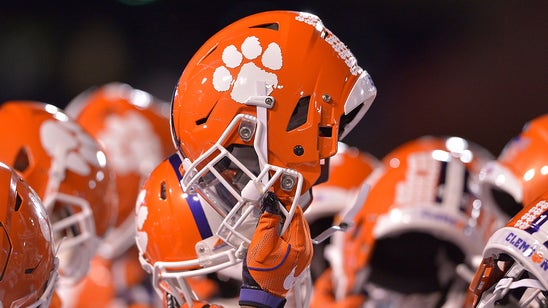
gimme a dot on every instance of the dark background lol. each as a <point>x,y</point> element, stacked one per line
<point>477,69</point>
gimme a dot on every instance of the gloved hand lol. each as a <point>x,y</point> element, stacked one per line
<point>324,297</point>
<point>273,262</point>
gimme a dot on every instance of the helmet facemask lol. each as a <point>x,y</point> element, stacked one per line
<point>233,179</point>
<point>73,225</point>
<point>508,284</point>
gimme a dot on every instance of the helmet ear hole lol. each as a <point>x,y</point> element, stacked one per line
<point>22,161</point>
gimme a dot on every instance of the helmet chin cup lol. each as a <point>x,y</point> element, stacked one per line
<point>253,191</point>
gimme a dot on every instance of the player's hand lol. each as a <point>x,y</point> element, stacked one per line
<point>273,262</point>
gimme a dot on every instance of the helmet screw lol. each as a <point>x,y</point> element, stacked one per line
<point>326,98</point>
<point>298,150</point>
<point>269,101</point>
<point>240,254</point>
<point>246,130</point>
<point>245,133</point>
<point>201,249</point>
<point>287,182</point>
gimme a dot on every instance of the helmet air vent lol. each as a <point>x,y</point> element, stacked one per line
<point>18,202</point>
<point>300,114</point>
<point>22,161</point>
<point>272,26</point>
<point>204,119</point>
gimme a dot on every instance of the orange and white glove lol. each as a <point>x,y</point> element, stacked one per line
<point>273,262</point>
<point>324,297</point>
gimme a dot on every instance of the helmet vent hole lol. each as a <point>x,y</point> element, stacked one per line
<point>163,191</point>
<point>271,26</point>
<point>326,131</point>
<point>18,202</point>
<point>208,53</point>
<point>204,119</point>
<point>22,161</point>
<point>300,114</point>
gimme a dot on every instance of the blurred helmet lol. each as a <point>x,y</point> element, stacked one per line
<point>133,128</point>
<point>261,105</point>
<point>348,169</point>
<point>177,233</point>
<point>421,219</point>
<point>520,173</point>
<point>514,271</point>
<point>28,266</point>
<point>68,170</point>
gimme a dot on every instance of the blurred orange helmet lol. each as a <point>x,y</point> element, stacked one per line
<point>28,266</point>
<point>422,218</point>
<point>269,96</point>
<point>514,270</point>
<point>67,168</point>
<point>348,170</point>
<point>176,233</point>
<point>133,128</point>
<point>520,173</point>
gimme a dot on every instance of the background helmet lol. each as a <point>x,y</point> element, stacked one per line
<point>514,271</point>
<point>176,233</point>
<point>261,104</point>
<point>421,219</point>
<point>520,173</point>
<point>28,266</point>
<point>67,168</point>
<point>133,128</point>
<point>348,169</point>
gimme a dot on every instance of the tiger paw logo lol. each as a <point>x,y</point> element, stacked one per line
<point>67,142</point>
<point>141,210</point>
<point>131,143</point>
<point>247,68</point>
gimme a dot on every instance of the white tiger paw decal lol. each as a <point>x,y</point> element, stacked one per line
<point>131,143</point>
<point>67,141</point>
<point>250,76</point>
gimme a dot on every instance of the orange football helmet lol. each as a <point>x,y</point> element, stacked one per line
<point>175,233</point>
<point>514,271</point>
<point>348,169</point>
<point>520,173</point>
<point>133,128</point>
<point>28,265</point>
<point>68,170</point>
<point>422,218</point>
<point>177,241</point>
<point>260,106</point>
